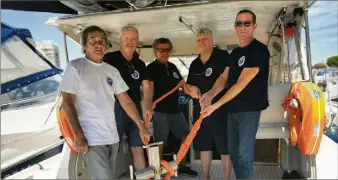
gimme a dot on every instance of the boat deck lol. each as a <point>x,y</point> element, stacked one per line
<point>50,168</point>
<point>261,171</point>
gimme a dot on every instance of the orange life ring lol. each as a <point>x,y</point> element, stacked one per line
<point>305,106</point>
<point>65,129</point>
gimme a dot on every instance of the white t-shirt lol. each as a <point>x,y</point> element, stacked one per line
<point>94,86</point>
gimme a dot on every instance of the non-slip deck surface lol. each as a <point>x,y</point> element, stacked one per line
<point>216,172</point>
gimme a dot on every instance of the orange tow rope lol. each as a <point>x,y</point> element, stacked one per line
<point>186,144</point>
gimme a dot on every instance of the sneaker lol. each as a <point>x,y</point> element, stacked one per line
<point>187,171</point>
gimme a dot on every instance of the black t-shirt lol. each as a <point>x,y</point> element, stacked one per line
<point>205,75</point>
<point>165,78</point>
<point>133,72</point>
<point>254,96</point>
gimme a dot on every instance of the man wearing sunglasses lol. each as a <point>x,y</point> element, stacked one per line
<point>134,73</point>
<point>203,73</point>
<point>164,76</point>
<point>88,88</point>
<point>247,79</point>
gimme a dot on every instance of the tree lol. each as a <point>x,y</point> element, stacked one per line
<point>332,61</point>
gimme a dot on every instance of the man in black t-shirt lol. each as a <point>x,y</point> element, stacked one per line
<point>203,72</point>
<point>164,76</point>
<point>246,77</point>
<point>134,73</point>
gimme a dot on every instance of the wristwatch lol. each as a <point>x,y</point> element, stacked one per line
<point>139,122</point>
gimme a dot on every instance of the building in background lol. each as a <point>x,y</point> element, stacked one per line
<point>50,50</point>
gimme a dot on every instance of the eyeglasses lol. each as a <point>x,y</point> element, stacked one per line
<point>167,71</point>
<point>161,50</point>
<point>198,74</point>
<point>131,68</point>
<point>245,23</point>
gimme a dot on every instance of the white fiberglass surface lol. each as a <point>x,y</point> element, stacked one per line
<point>164,22</point>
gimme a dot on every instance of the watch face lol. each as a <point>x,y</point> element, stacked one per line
<point>140,122</point>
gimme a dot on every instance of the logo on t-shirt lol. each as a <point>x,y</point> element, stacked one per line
<point>241,61</point>
<point>175,75</point>
<point>208,72</point>
<point>135,75</point>
<point>109,81</point>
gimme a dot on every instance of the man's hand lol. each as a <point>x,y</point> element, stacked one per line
<point>205,100</point>
<point>144,133</point>
<point>147,113</point>
<point>81,143</point>
<point>194,92</point>
<point>208,110</point>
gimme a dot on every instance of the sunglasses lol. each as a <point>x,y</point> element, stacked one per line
<point>167,71</point>
<point>241,23</point>
<point>161,50</point>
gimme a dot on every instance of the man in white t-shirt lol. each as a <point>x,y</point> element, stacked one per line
<point>88,88</point>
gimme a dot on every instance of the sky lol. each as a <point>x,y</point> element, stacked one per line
<point>323,20</point>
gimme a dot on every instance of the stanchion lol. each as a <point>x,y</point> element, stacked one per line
<point>155,170</point>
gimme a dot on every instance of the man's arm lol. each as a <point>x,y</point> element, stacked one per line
<point>148,93</point>
<point>245,77</point>
<point>251,68</point>
<point>220,83</point>
<point>68,104</point>
<point>129,106</point>
<point>151,84</point>
<point>189,86</point>
<point>218,86</point>
<point>120,90</point>
<point>147,90</point>
<point>194,92</point>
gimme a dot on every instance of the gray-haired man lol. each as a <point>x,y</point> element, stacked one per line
<point>134,73</point>
<point>203,73</point>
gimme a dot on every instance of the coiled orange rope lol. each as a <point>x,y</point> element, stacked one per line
<point>186,144</point>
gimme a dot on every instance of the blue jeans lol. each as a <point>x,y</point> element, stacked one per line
<point>242,129</point>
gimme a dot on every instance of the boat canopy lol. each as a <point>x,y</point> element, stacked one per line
<point>21,62</point>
